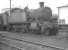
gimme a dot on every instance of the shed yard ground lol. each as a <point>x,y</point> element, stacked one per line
<point>53,41</point>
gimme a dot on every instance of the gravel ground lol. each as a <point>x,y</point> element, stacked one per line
<point>55,41</point>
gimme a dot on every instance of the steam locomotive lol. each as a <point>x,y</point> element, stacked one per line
<point>38,21</point>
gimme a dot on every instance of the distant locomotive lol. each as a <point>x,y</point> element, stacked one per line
<point>36,21</point>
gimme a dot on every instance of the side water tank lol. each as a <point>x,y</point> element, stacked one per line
<point>17,16</point>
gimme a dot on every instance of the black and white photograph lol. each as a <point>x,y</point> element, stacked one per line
<point>33,24</point>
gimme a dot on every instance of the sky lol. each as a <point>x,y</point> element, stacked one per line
<point>33,4</point>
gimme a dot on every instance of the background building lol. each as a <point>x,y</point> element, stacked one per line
<point>63,14</point>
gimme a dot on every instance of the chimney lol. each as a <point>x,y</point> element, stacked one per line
<point>41,4</point>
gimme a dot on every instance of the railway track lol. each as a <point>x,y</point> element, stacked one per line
<point>26,45</point>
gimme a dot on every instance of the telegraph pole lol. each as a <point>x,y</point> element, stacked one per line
<point>10,6</point>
